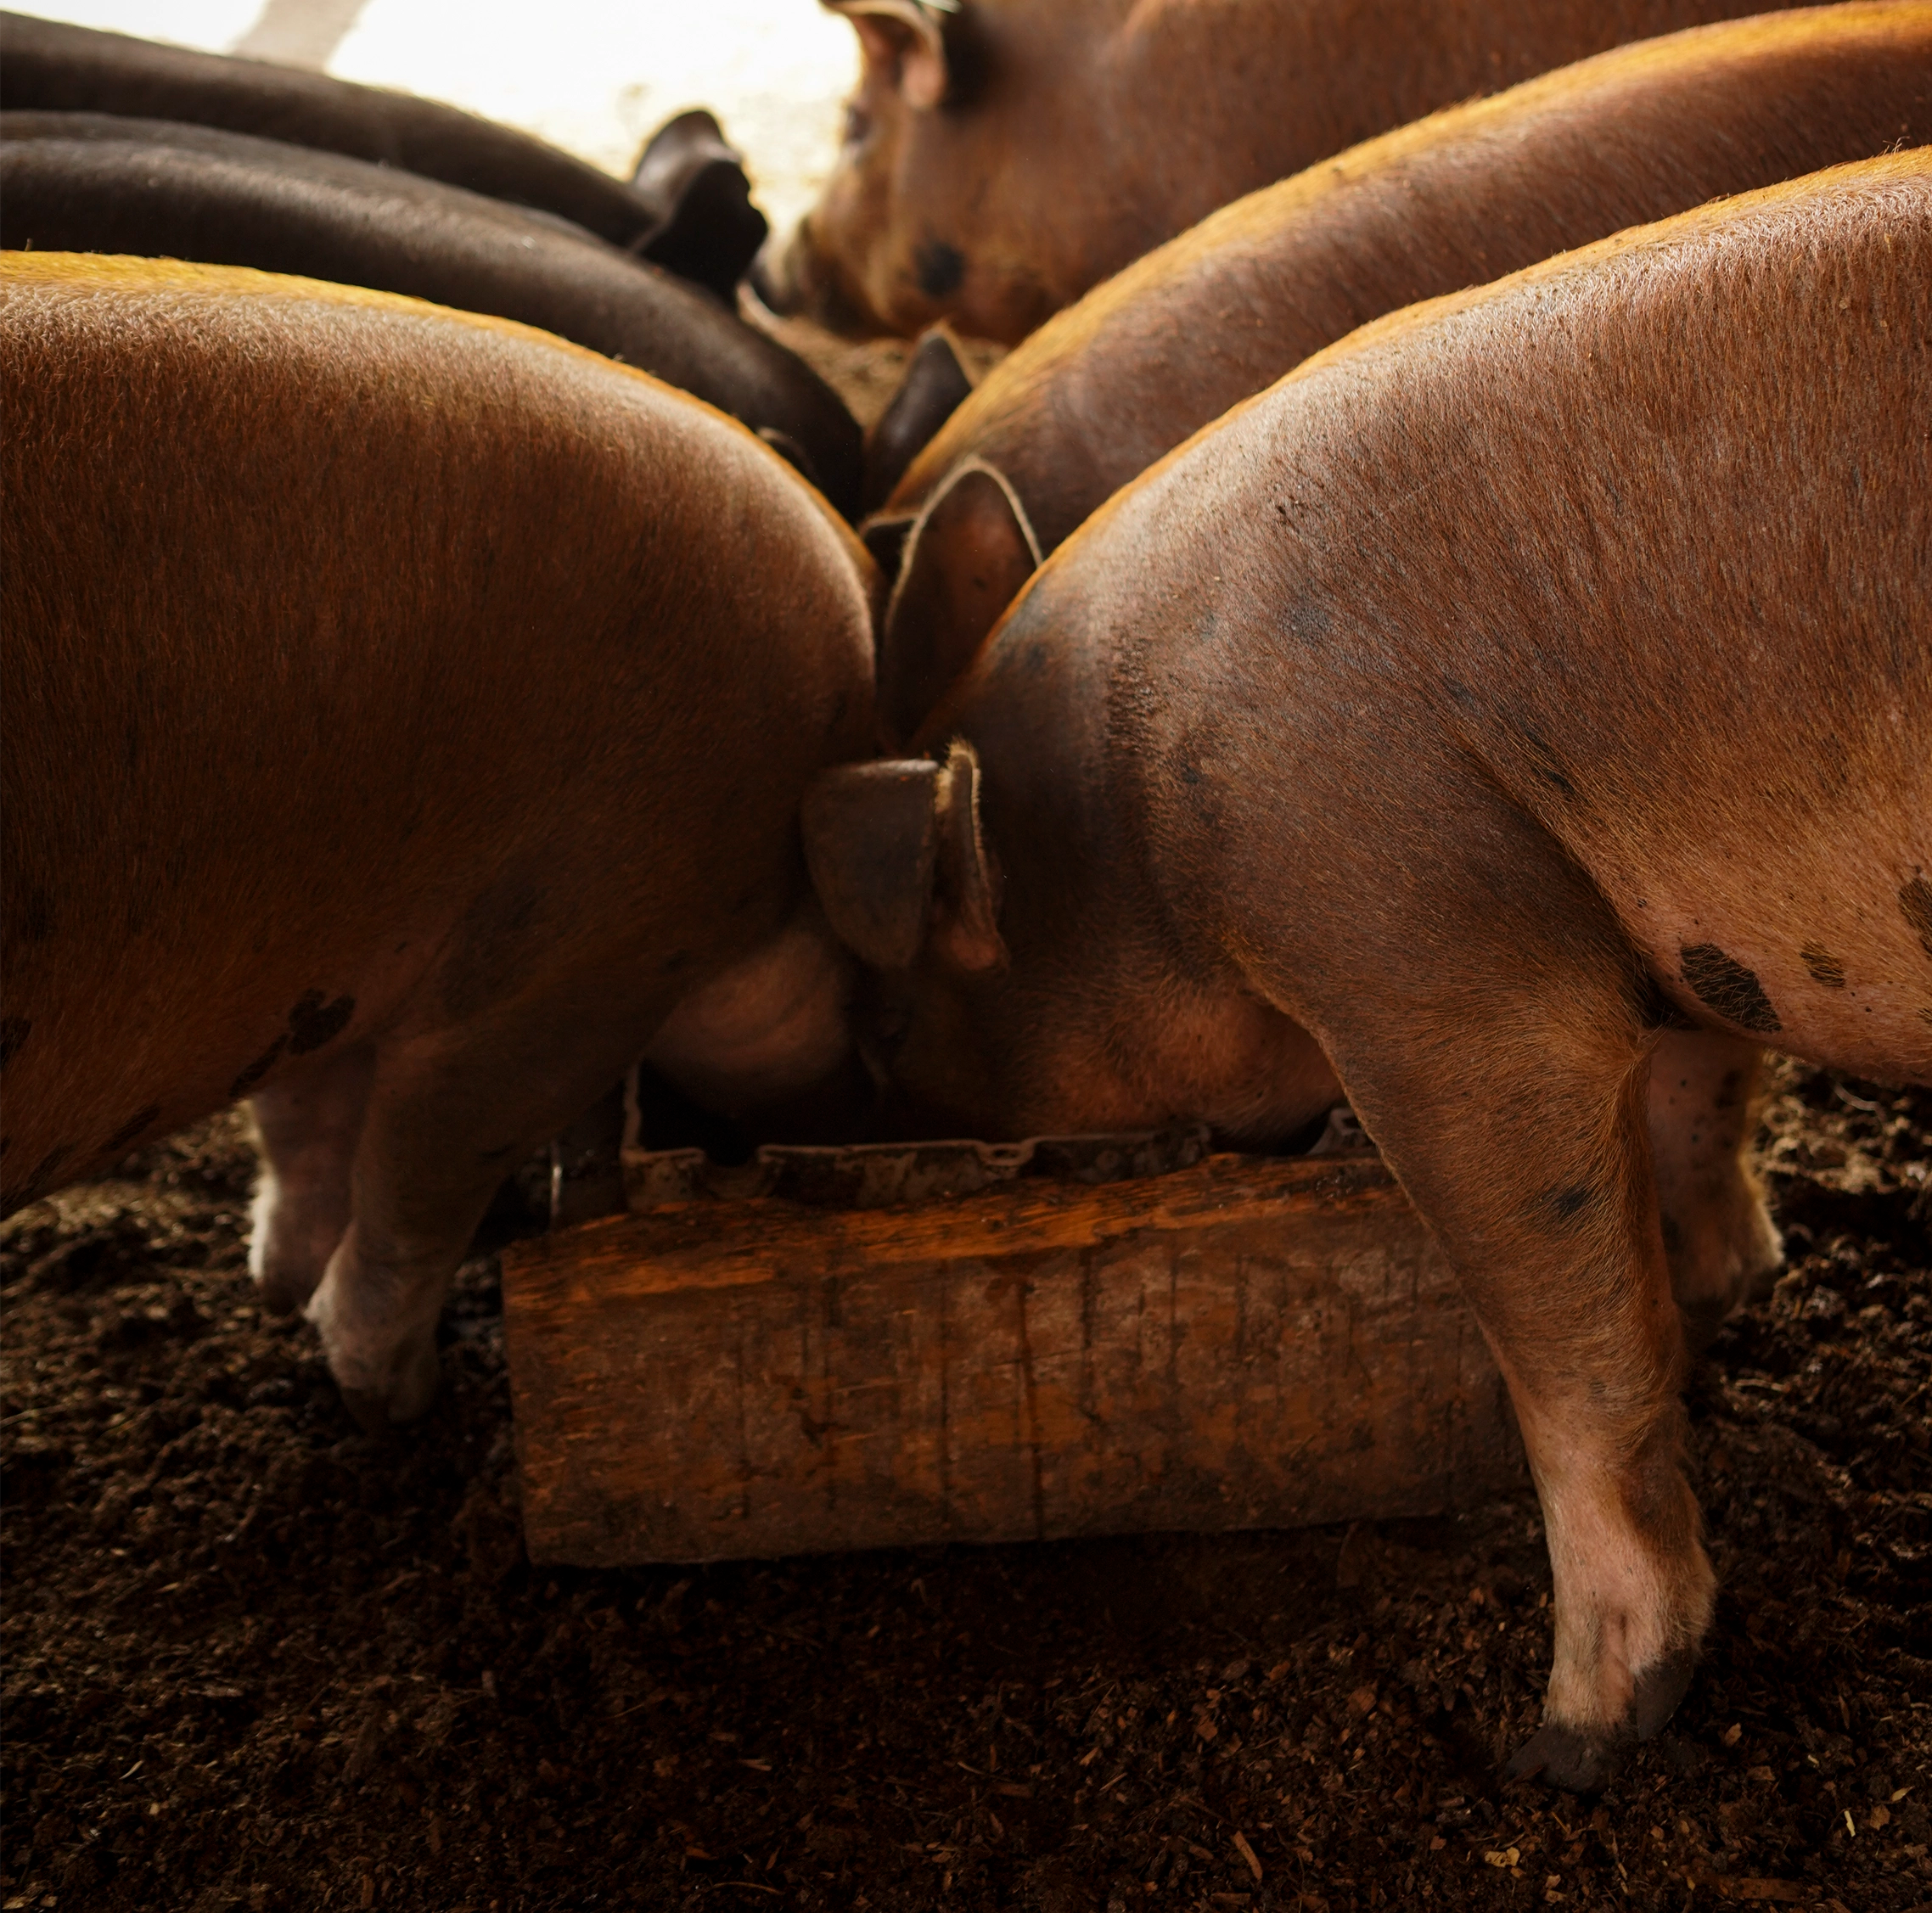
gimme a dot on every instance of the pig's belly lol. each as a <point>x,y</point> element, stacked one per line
<point>1817,940</point>
<point>102,1062</point>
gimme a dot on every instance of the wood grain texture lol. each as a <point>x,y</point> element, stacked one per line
<point>1246,1343</point>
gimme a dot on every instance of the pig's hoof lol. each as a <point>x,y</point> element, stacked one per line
<point>407,1397</point>
<point>1659,1691</point>
<point>370,1407</point>
<point>1577,1762</point>
<point>1582,1761</point>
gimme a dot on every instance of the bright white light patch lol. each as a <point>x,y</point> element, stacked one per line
<point>593,76</point>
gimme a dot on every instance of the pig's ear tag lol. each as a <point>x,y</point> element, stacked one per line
<point>871,845</point>
<point>904,35</point>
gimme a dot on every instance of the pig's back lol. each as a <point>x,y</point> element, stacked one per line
<point>326,612</point>
<point>98,182</point>
<point>1640,539</point>
<point>1636,134</point>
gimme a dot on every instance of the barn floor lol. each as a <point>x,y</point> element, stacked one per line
<point>255,1659</point>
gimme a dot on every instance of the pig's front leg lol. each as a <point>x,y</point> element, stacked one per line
<point>1720,1241</point>
<point>1514,1112</point>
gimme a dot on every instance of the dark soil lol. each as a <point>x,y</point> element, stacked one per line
<point>255,1659</point>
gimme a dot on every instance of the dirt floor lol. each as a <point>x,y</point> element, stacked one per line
<point>255,1659</point>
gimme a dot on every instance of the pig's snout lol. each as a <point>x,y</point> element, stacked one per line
<point>774,276</point>
<point>793,277</point>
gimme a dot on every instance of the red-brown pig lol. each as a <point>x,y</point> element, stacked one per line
<point>98,182</point>
<point>407,716</point>
<point>1105,387</point>
<point>1002,156</point>
<point>1537,677</point>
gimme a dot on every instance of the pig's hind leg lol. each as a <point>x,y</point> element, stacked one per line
<point>1718,1237</point>
<point>1505,1080</point>
<point>306,1128</point>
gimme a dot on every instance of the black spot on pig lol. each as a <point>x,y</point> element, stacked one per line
<point>940,267</point>
<point>313,1023</point>
<point>1567,1204</point>
<point>31,919</point>
<point>1730,988</point>
<point>45,1173</point>
<point>1915,899</point>
<point>1825,968</point>
<point>141,1119</point>
<point>14,1033</point>
<point>1309,622</point>
<point>257,1070</point>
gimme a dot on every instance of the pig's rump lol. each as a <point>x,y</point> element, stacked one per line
<point>375,673</point>
<point>1625,564</point>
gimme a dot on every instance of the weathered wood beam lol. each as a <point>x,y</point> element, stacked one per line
<point>1247,1342</point>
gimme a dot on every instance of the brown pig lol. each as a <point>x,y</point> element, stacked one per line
<point>1538,678</point>
<point>1002,156</point>
<point>407,716</point>
<point>1107,386</point>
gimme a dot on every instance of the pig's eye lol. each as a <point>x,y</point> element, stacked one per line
<point>858,124</point>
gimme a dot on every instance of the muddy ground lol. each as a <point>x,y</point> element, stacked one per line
<point>253,1658</point>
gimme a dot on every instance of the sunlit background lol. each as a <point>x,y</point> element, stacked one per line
<point>594,76</point>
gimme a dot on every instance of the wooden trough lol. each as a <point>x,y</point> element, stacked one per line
<point>873,1348</point>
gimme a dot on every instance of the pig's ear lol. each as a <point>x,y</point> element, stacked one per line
<point>895,851</point>
<point>885,538</point>
<point>934,384</point>
<point>904,38</point>
<point>871,837</point>
<point>970,551</point>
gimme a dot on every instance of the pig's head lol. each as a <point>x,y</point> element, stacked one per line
<point>966,1040</point>
<point>1023,974</point>
<point>945,202</point>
